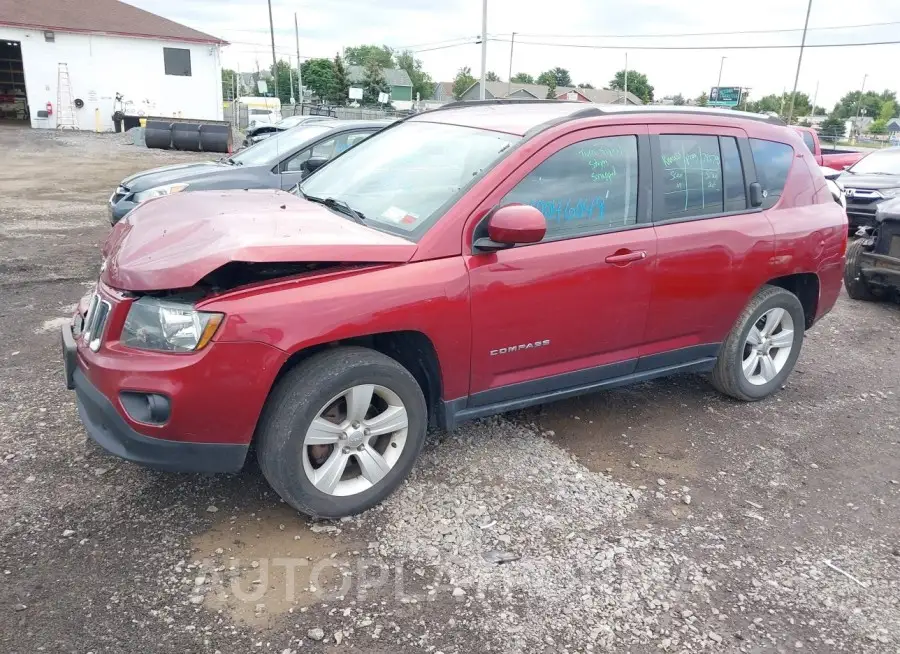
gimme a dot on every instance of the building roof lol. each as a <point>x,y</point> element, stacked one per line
<point>394,76</point>
<point>539,91</point>
<point>97,16</point>
<point>893,125</point>
<point>445,87</point>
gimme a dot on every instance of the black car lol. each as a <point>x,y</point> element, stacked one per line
<point>264,131</point>
<point>869,182</point>
<point>277,162</point>
<point>873,261</point>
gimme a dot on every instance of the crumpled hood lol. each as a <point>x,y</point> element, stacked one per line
<point>870,182</point>
<point>174,241</point>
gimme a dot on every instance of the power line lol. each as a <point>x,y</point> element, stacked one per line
<point>658,35</point>
<point>444,47</point>
<point>697,47</point>
<point>467,39</point>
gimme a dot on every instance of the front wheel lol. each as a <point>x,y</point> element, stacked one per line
<point>857,286</point>
<point>762,347</point>
<point>341,431</point>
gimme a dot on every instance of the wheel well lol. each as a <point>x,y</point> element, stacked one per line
<point>806,287</point>
<point>411,349</point>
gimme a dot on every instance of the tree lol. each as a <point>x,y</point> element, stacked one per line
<point>362,54</point>
<point>374,82</point>
<point>833,127</point>
<point>637,84</point>
<point>888,110</point>
<point>338,93</point>
<point>287,82</point>
<point>702,100</point>
<point>462,82</point>
<point>230,84</point>
<point>804,123</point>
<point>866,104</point>
<point>491,76</point>
<point>558,76</point>
<point>551,89</point>
<point>586,85</point>
<point>522,78</point>
<point>318,76</point>
<point>678,100</point>
<point>422,83</point>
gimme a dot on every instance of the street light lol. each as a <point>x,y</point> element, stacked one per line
<point>483,47</point>
<point>721,66</point>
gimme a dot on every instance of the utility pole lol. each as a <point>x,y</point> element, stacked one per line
<point>783,93</point>
<point>625,97</point>
<point>274,62</point>
<point>799,60</point>
<point>299,74</point>
<point>745,95</point>
<point>483,47</point>
<point>862,90</point>
<point>815,95</point>
<point>291,82</point>
<point>721,66</point>
<point>512,44</point>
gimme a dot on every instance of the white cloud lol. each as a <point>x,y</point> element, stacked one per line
<point>326,27</point>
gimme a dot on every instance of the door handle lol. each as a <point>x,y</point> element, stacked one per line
<point>624,257</point>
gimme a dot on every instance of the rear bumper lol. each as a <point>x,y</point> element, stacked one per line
<point>106,427</point>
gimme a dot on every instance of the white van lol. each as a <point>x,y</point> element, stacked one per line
<point>261,111</point>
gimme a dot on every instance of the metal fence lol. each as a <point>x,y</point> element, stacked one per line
<point>237,114</point>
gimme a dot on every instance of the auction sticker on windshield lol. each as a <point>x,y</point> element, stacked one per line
<point>399,217</point>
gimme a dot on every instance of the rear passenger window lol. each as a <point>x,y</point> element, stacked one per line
<point>691,175</point>
<point>773,162</point>
<point>732,175</point>
<point>585,188</point>
<point>808,141</point>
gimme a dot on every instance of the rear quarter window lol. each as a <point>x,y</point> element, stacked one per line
<point>773,163</point>
<point>809,141</point>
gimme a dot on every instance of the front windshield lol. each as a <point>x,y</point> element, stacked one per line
<point>399,179</point>
<point>886,162</point>
<point>269,150</point>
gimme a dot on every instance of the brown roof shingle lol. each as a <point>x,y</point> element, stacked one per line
<point>105,16</point>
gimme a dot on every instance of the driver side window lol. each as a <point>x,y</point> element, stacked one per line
<point>324,149</point>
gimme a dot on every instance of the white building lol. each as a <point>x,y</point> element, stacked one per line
<point>159,67</point>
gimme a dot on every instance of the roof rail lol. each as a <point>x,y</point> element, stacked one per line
<point>491,101</point>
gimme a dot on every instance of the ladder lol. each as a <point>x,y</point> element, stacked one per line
<point>65,109</point>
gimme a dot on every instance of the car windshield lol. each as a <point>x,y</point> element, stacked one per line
<point>401,178</point>
<point>271,149</point>
<point>261,112</point>
<point>886,162</point>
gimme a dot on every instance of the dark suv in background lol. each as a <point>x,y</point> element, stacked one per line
<point>867,183</point>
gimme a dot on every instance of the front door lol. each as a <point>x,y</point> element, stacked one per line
<point>569,311</point>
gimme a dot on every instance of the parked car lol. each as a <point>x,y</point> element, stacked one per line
<point>834,186</point>
<point>830,157</point>
<point>869,182</point>
<point>278,162</point>
<point>873,261</point>
<point>466,261</point>
<point>260,132</point>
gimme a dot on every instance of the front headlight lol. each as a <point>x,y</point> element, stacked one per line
<point>158,191</point>
<point>167,326</point>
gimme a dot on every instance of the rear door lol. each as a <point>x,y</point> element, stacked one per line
<point>291,169</point>
<point>569,311</point>
<point>712,248</point>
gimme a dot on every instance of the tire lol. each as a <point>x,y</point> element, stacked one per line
<point>857,287</point>
<point>299,398</point>
<point>728,376</point>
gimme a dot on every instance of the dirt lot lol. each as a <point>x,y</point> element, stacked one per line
<point>661,517</point>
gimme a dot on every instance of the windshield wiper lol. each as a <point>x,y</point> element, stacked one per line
<point>336,205</point>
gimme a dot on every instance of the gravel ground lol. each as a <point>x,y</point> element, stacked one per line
<point>657,518</point>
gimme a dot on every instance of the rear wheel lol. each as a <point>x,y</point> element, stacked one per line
<point>762,347</point>
<point>341,431</point>
<point>857,286</point>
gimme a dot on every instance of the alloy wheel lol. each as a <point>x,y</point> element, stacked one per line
<point>768,346</point>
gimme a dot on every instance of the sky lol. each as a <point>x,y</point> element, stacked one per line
<point>326,26</point>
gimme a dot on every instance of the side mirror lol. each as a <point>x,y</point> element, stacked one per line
<point>847,167</point>
<point>312,164</point>
<point>510,225</point>
<point>756,194</point>
<point>831,173</point>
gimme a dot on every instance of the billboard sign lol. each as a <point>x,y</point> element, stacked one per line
<point>724,96</point>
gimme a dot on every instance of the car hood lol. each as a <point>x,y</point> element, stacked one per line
<point>173,174</point>
<point>174,241</point>
<point>849,180</point>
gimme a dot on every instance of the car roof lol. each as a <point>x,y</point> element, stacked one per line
<point>522,117</point>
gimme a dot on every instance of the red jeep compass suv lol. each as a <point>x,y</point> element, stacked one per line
<point>466,261</point>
